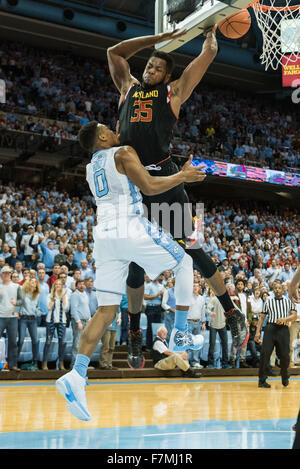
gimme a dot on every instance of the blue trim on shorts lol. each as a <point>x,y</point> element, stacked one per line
<point>163,240</point>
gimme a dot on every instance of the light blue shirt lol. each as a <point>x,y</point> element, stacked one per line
<point>93,302</point>
<point>43,306</point>
<point>286,276</point>
<point>48,256</point>
<point>29,306</point>
<point>79,306</point>
<point>78,257</point>
<point>152,289</point>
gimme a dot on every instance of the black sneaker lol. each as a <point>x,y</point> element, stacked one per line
<point>294,427</point>
<point>135,356</point>
<point>236,321</point>
<point>285,382</point>
<point>264,385</point>
<point>192,373</point>
<point>244,364</point>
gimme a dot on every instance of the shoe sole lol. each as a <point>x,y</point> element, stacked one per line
<point>138,368</point>
<point>73,405</point>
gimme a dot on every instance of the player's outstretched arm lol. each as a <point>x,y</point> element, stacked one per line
<point>128,162</point>
<point>293,287</point>
<point>193,73</point>
<point>119,54</point>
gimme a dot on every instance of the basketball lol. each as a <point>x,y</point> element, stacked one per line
<point>236,25</point>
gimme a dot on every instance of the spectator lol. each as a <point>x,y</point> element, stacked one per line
<point>91,293</point>
<point>26,275</point>
<point>252,346</point>
<point>54,276</point>
<point>43,298</point>
<point>80,315</point>
<point>153,294</point>
<point>11,237</point>
<point>10,297</point>
<point>196,323</point>
<point>49,253</point>
<point>56,319</point>
<point>67,292</point>
<point>85,271</point>
<point>108,344</point>
<point>13,258</point>
<point>61,258</point>
<point>79,255</point>
<point>256,302</point>
<point>15,277</point>
<point>287,274</point>
<point>164,359</point>
<point>76,276</point>
<point>242,302</point>
<point>71,264</point>
<point>217,325</point>
<point>29,242</point>
<point>5,251</point>
<point>28,314</point>
<point>19,269</point>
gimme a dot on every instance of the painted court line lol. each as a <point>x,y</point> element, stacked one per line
<point>141,381</point>
<point>217,431</point>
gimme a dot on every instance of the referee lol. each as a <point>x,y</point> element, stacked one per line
<point>279,311</point>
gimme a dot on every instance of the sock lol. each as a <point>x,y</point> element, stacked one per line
<point>226,301</point>
<point>81,364</point>
<point>181,320</point>
<point>134,321</point>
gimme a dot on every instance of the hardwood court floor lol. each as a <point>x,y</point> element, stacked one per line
<point>208,413</point>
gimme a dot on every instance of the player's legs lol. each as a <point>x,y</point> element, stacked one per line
<point>72,385</point>
<point>155,252</point>
<point>135,296</point>
<point>110,285</point>
<point>181,339</point>
<point>207,268</point>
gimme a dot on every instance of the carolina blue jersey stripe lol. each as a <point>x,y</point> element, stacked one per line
<point>163,240</point>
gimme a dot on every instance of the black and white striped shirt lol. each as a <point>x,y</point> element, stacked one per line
<point>275,309</point>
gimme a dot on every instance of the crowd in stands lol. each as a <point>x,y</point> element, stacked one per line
<point>46,234</point>
<point>55,93</point>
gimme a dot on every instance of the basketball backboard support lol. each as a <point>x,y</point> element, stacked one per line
<point>206,14</point>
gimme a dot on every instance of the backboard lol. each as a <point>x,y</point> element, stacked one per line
<point>206,13</point>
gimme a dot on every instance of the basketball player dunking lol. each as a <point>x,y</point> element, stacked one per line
<point>115,176</point>
<point>148,111</point>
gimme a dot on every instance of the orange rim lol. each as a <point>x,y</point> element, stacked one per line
<point>266,8</point>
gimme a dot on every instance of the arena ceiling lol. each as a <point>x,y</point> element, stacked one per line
<point>140,9</point>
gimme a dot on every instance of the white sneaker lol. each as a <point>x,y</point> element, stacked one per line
<point>72,387</point>
<point>197,365</point>
<point>181,341</point>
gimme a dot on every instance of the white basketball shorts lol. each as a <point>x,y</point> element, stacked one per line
<point>131,240</point>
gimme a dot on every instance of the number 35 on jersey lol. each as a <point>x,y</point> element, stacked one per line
<point>142,111</point>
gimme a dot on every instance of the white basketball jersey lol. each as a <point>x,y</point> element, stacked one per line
<point>115,195</point>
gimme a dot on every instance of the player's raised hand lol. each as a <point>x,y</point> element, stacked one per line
<point>193,173</point>
<point>171,35</point>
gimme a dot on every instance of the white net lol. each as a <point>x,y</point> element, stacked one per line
<point>279,22</point>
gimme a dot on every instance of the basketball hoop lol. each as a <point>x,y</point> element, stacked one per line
<point>280,27</point>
